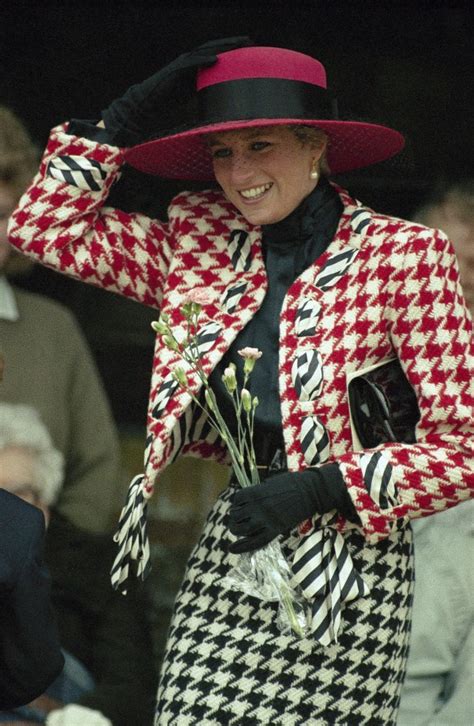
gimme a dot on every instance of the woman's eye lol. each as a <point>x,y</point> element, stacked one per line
<point>221,153</point>
<point>259,145</point>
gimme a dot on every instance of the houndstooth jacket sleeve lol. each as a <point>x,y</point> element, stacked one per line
<point>61,220</point>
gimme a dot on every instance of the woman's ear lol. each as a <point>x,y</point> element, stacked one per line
<point>319,146</point>
<point>314,172</point>
<point>318,154</point>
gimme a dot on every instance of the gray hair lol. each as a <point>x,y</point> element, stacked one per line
<point>21,425</point>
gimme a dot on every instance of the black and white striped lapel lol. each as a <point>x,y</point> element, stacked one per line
<point>307,317</point>
<point>240,250</point>
<point>315,442</point>
<point>307,374</point>
<point>360,220</point>
<point>206,337</point>
<point>193,425</point>
<point>338,264</point>
<point>335,267</point>
<point>231,297</point>
<point>165,392</point>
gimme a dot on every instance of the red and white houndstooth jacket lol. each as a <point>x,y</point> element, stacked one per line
<point>384,288</point>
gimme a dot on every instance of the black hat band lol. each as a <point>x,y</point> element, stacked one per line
<point>253,98</point>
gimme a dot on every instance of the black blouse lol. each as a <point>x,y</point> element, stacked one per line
<point>289,247</point>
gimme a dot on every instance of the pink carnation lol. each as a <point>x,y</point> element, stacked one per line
<point>252,353</point>
<point>199,295</point>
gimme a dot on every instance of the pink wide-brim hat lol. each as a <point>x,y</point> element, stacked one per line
<point>257,87</point>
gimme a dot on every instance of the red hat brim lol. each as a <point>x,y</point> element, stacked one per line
<point>185,155</point>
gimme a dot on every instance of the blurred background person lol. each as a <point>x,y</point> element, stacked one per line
<point>105,636</point>
<point>439,685</point>
<point>49,366</point>
<point>30,655</point>
<point>451,208</point>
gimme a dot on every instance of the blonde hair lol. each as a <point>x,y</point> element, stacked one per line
<point>19,157</point>
<point>21,426</point>
<point>316,137</point>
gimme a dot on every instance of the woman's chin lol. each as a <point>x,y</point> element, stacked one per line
<point>260,216</point>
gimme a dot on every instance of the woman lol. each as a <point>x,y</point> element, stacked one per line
<point>326,288</point>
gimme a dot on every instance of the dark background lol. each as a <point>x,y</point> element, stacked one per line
<point>410,65</point>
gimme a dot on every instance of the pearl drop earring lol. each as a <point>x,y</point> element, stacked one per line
<point>314,173</point>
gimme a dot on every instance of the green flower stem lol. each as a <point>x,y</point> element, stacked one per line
<point>252,457</point>
<point>189,353</point>
<point>222,429</point>
<point>289,609</point>
<point>241,451</point>
<point>238,409</point>
<point>236,456</point>
<point>286,594</point>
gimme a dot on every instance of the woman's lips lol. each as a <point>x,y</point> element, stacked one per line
<point>254,194</point>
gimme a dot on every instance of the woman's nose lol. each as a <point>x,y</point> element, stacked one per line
<point>241,169</point>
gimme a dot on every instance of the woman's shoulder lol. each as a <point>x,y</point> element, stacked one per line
<point>389,232</point>
<point>375,224</point>
<point>397,237</point>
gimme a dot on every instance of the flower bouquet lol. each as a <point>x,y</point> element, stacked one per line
<point>264,573</point>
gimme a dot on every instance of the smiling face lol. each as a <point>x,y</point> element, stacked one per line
<point>264,172</point>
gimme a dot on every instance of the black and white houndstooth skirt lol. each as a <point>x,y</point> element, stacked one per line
<point>227,663</point>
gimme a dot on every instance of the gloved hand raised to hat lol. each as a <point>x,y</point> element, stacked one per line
<point>135,116</point>
<point>261,512</point>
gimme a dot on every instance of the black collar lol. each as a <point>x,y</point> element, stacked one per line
<point>312,213</point>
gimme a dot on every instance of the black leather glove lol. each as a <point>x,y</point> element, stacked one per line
<point>260,513</point>
<point>144,108</point>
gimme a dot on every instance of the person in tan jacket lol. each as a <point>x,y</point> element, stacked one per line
<point>49,366</point>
